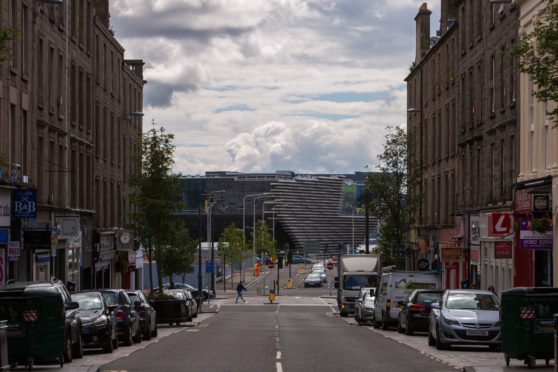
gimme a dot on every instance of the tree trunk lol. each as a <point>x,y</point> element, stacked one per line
<point>158,258</point>
<point>149,258</point>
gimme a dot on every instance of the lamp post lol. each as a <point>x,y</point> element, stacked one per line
<point>200,278</point>
<point>244,217</point>
<point>366,213</point>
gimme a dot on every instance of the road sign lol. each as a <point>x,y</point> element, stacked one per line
<point>271,265</point>
<point>209,267</point>
<point>330,266</point>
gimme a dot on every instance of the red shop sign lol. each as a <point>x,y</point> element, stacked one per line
<point>502,250</point>
<point>499,224</point>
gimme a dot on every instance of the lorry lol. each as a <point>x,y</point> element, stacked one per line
<point>355,271</point>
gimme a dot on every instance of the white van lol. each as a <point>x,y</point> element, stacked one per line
<point>394,287</point>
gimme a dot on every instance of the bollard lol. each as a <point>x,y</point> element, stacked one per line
<point>4,364</point>
<point>555,342</point>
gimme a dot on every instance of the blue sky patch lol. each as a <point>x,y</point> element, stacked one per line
<point>234,108</point>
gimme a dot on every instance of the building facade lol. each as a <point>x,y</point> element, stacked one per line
<point>463,113</point>
<point>537,187</point>
<point>65,132</point>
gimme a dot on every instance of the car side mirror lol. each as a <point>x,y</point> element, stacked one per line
<point>72,306</point>
<point>435,306</point>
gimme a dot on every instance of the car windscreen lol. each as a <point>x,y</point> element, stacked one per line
<point>356,282</point>
<point>472,301</point>
<point>427,298</point>
<point>88,301</point>
<point>314,276</point>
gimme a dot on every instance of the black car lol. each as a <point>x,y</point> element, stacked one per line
<point>98,323</point>
<point>414,314</point>
<point>147,314</point>
<point>127,319</point>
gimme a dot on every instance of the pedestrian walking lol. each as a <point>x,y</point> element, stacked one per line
<point>491,289</point>
<point>239,288</point>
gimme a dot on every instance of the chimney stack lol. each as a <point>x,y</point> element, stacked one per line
<point>423,32</point>
<point>102,11</point>
<point>448,15</point>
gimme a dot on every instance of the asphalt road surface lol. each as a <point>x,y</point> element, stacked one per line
<point>300,333</point>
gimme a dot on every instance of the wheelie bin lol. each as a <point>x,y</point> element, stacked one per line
<point>527,323</point>
<point>35,324</point>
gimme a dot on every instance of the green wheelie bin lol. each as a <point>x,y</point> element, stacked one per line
<point>36,319</point>
<point>527,323</point>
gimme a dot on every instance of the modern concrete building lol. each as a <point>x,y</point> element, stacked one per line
<point>306,212</point>
<point>66,128</point>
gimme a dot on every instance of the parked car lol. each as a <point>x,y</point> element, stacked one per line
<point>364,305</point>
<point>207,293</point>
<point>416,308</point>
<point>394,287</point>
<point>465,317</point>
<point>313,280</point>
<point>300,259</point>
<point>192,302</point>
<point>147,314</point>
<point>127,319</point>
<point>180,295</point>
<point>98,323</point>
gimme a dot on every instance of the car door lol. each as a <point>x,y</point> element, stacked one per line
<point>434,315</point>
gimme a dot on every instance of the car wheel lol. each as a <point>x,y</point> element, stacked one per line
<point>114,341</point>
<point>375,323</point>
<point>68,352</point>
<point>431,339</point>
<point>343,313</point>
<point>439,344</point>
<point>108,345</point>
<point>154,332</point>
<point>147,333</point>
<point>138,336</point>
<point>384,322</point>
<point>399,327</point>
<point>77,351</point>
<point>408,330</point>
<point>128,335</point>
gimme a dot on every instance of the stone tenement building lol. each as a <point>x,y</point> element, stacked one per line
<point>463,114</point>
<point>70,111</point>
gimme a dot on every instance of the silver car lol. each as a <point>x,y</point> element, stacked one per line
<point>313,280</point>
<point>364,305</point>
<point>465,317</point>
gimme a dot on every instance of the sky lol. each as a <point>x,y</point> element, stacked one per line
<point>266,85</point>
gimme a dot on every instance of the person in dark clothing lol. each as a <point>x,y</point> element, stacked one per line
<point>239,288</point>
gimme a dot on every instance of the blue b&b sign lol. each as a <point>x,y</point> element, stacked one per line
<point>209,267</point>
<point>24,203</point>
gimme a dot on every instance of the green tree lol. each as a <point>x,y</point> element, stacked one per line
<point>389,199</point>
<point>178,257</point>
<point>155,196</point>
<point>538,56</point>
<point>232,249</point>
<point>263,239</point>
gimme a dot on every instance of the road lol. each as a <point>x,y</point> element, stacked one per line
<point>296,334</point>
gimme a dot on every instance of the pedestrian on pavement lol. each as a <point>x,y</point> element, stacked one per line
<point>239,288</point>
<point>491,289</point>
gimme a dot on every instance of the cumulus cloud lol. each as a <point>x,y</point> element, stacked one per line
<point>306,85</point>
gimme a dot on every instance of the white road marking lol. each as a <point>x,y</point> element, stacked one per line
<point>278,355</point>
<point>279,367</point>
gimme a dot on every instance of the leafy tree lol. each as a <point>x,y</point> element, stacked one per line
<point>388,194</point>
<point>538,56</point>
<point>178,257</point>
<point>264,242</point>
<point>155,194</point>
<point>232,248</point>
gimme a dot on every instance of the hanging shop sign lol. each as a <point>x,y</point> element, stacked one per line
<point>502,250</point>
<point>37,239</point>
<point>529,238</point>
<point>451,254</point>
<point>14,250</point>
<point>5,208</point>
<point>4,235</point>
<point>541,203</point>
<point>24,203</point>
<point>499,224</point>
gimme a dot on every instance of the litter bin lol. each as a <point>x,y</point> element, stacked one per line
<point>527,324</point>
<point>4,363</point>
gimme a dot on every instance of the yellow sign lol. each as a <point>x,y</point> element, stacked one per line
<point>451,254</point>
<point>289,283</point>
<point>274,257</point>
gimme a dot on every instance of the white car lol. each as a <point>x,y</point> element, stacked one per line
<point>322,273</point>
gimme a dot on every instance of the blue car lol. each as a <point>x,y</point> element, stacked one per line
<point>300,259</point>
